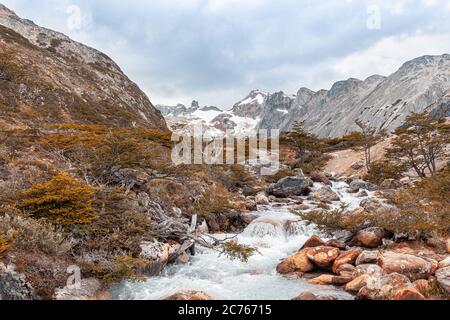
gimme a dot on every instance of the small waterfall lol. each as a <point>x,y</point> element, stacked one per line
<point>296,228</point>
<point>265,227</point>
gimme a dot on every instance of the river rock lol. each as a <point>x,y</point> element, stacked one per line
<point>312,242</point>
<point>357,185</point>
<point>443,278</point>
<point>370,269</point>
<point>298,263</point>
<point>189,296</point>
<point>290,186</point>
<point>367,257</point>
<point>391,184</point>
<point>411,266</point>
<point>87,289</point>
<point>251,205</point>
<point>324,194</point>
<point>158,254</point>
<point>386,288</point>
<point>323,256</point>
<point>348,257</point>
<point>337,244</point>
<point>362,194</point>
<point>328,279</point>
<point>262,199</point>
<point>357,284</point>
<point>444,263</point>
<point>308,296</point>
<point>317,176</point>
<point>369,238</point>
<point>409,294</point>
<point>346,270</point>
<point>13,285</point>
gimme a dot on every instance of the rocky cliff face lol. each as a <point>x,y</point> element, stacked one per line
<point>45,77</point>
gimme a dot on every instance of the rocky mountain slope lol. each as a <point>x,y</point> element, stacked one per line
<point>45,77</point>
<point>383,102</point>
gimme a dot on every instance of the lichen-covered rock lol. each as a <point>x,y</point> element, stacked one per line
<point>262,199</point>
<point>346,270</point>
<point>324,194</point>
<point>87,289</point>
<point>313,241</point>
<point>409,265</point>
<point>317,176</point>
<point>323,257</point>
<point>443,278</point>
<point>367,257</point>
<point>158,255</point>
<point>348,257</point>
<point>298,263</point>
<point>290,186</point>
<point>328,279</point>
<point>13,285</point>
<point>369,238</point>
<point>384,288</point>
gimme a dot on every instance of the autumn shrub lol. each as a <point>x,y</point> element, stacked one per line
<point>210,203</point>
<point>62,201</point>
<point>5,244</point>
<point>382,170</point>
<point>32,235</point>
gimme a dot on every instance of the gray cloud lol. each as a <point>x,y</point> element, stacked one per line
<point>218,50</point>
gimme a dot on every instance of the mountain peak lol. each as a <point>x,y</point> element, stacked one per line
<point>4,11</point>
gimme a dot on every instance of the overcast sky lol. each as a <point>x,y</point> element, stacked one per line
<point>216,51</point>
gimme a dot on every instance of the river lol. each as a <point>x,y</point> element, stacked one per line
<point>225,279</point>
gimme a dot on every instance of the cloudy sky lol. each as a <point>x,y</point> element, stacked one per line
<point>216,51</point>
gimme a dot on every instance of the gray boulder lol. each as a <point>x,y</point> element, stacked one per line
<point>13,285</point>
<point>290,186</point>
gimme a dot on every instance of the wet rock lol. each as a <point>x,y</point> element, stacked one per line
<point>337,244</point>
<point>312,242</point>
<point>302,207</point>
<point>411,266</point>
<point>443,278</point>
<point>386,288</point>
<point>308,296</point>
<point>391,184</point>
<point>444,263</point>
<point>13,285</point>
<point>317,176</point>
<point>262,199</point>
<point>251,205</point>
<point>357,185</point>
<point>323,256</point>
<point>409,294</point>
<point>328,279</point>
<point>357,284</point>
<point>346,270</point>
<point>189,296</point>
<point>87,289</point>
<point>370,269</point>
<point>158,254</point>
<point>248,218</point>
<point>290,186</point>
<point>348,257</point>
<point>298,263</point>
<point>369,238</point>
<point>325,194</point>
<point>368,257</point>
<point>362,194</point>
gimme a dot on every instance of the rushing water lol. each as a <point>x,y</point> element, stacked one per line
<point>277,234</point>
